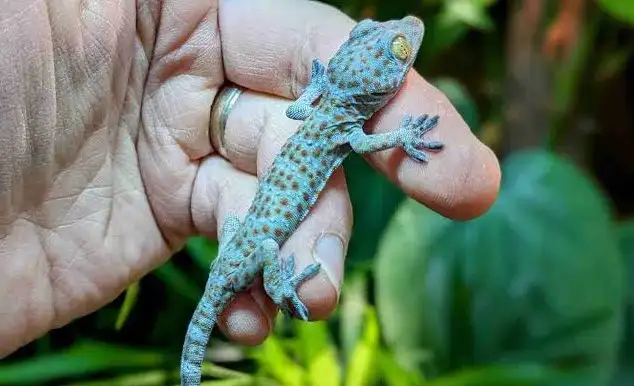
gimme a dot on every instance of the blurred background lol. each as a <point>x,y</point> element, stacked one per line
<point>535,292</point>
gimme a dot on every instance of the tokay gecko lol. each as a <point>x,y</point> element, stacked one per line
<point>365,73</point>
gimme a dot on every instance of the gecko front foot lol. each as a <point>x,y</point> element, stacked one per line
<point>414,132</point>
<point>281,283</point>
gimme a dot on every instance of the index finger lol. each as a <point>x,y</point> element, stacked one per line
<point>268,46</point>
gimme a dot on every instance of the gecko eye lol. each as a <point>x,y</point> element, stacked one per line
<point>401,48</point>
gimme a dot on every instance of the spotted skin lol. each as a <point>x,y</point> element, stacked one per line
<point>364,74</point>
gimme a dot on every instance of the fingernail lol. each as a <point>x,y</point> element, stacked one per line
<point>329,253</point>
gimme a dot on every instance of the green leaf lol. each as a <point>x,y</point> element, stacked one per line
<point>202,250</point>
<point>318,353</point>
<point>441,33</point>
<point>275,361</point>
<point>83,359</point>
<point>626,241</point>
<point>496,375</point>
<point>146,378</point>
<point>395,375</point>
<point>178,281</point>
<point>131,296</point>
<point>212,370</point>
<point>460,98</point>
<point>625,374</point>
<point>452,23</point>
<point>229,382</point>
<point>469,12</point>
<point>620,9</point>
<point>371,211</point>
<point>361,368</point>
<point>352,310</point>
<point>536,279</point>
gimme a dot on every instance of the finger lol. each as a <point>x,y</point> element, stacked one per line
<point>184,73</point>
<point>461,181</point>
<point>221,189</point>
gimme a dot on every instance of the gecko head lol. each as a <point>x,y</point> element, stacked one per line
<point>371,66</point>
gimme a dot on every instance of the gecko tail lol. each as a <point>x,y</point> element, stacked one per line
<point>196,340</point>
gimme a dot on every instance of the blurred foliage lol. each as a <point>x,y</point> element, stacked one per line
<point>620,9</point>
<point>538,291</point>
<point>493,288</point>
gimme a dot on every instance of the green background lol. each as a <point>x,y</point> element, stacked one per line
<point>538,291</point>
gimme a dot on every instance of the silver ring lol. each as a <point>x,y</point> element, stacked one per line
<point>220,110</point>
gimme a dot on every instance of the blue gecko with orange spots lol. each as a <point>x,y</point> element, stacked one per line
<point>364,74</point>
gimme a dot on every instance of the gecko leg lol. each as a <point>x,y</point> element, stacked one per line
<point>280,280</point>
<point>302,107</point>
<point>409,136</point>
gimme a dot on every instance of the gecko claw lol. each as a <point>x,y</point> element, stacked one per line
<point>417,154</point>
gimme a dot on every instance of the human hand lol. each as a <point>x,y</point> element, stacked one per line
<point>107,165</point>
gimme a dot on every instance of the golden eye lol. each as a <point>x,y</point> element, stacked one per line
<point>401,48</point>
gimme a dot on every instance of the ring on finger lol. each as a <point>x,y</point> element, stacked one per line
<point>220,109</point>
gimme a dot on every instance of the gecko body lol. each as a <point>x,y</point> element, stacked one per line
<point>365,73</point>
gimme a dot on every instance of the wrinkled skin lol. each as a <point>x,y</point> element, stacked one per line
<point>106,165</point>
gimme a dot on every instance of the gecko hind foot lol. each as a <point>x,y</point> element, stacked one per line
<point>285,295</point>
